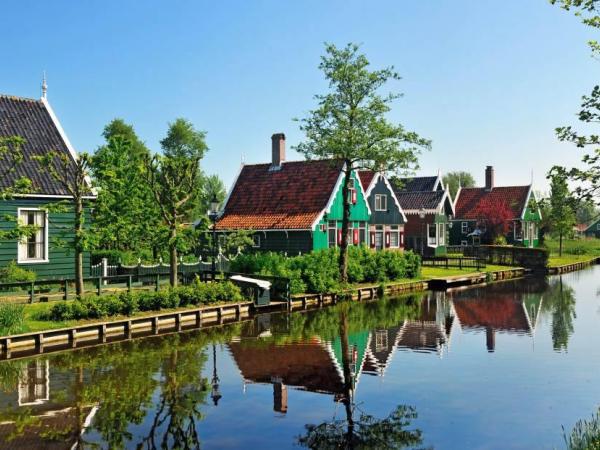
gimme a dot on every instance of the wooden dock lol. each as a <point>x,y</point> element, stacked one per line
<point>28,344</point>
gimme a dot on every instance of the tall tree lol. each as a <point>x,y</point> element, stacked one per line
<point>452,180</point>
<point>126,216</point>
<point>586,212</point>
<point>74,177</point>
<point>561,206</point>
<point>212,186</point>
<point>174,179</point>
<point>350,125</point>
<point>588,176</point>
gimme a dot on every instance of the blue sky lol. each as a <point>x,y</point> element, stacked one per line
<point>487,81</point>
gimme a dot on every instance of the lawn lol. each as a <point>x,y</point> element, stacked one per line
<point>438,272</point>
<point>574,250</point>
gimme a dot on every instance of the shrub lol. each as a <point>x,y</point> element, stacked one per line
<point>318,271</point>
<point>92,307</point>
<point>12,319</point>
<point>12,273</point>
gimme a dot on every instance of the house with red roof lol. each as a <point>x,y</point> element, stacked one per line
<point>473,205</point>
<point>294,206</point>
<point>427,204</point>
<point>386,226</point>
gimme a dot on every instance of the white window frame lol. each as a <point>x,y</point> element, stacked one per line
<point>20,258</point>
<point>464,227</point>
<point>329,228</point>
<point>380,202</point>
<point>441,234</point>
<point>432,241</point>
<point>394,230</point>
<point>525,231</point>
<point>256,240</point>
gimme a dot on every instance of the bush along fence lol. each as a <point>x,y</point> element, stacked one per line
<point>317,272</point>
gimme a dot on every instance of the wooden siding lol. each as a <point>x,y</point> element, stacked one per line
<point>292,242</point>
<point>593,231</point>
<point>61,257</point>
<point>393,215</point>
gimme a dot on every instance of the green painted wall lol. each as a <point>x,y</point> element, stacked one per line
<point>61,262</point>
<point>358,212</point>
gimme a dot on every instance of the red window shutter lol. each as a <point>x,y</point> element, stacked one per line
<point>339,237</point>
<point>372,239</point>
<point>354,196</point>
<point>387,239</point>
<point>355,236</point>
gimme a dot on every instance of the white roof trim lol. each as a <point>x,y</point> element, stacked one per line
<point>447,196</point>
<point>231,189</point>
<point>529,194</point>
<point>331,198</point>
<point>439,181</point>
<point>65,138</point>
<point>389,186</point>
<point>362,190</point>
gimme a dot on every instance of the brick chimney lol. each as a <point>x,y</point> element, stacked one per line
<point>489,178</point>
<point>277,149</point>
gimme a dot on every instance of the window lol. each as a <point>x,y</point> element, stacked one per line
<point>598,226</point>
<point>441,234</point>
<point>518,231</point>
<point>34,248</point>
<point>380,202</point>
<point>33,383</point>
<point>381,340</point>
<point>526,231</point>
<point>362,232</point>
<point>432,235</point>
<point>332,233</point>
<point>352,192</point>
<point>256,240</point>
<point>464,226</point>
<point>394,236</point>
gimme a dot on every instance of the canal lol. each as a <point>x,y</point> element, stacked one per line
<point>497,367</point>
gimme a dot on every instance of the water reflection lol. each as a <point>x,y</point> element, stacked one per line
<point>308,369</point>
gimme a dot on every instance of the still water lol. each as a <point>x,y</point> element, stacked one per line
<point>504,366</point>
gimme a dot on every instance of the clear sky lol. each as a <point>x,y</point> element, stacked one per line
<point>486,80</point>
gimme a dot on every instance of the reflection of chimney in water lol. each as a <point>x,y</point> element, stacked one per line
<point>490,339</point>
<point>280,395</point>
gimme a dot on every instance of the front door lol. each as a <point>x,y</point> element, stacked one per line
<point>532,235</point>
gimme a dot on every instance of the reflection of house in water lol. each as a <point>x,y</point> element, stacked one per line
<point>428,333</point>
<point>311,365</point>
<point>500,308</point>
<point>45,396</point>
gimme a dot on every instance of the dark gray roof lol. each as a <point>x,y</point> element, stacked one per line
<point>31,120</point>
<point>417,184</point>
<point>417,200</point>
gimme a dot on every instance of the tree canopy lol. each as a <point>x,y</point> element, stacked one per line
<point>452,180</point>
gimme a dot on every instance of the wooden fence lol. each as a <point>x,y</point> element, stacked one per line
<point>454,262</point>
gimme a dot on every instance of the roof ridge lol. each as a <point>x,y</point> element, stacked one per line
<point>294,161</point>
<point>498,187</point>
<point>17,97</point>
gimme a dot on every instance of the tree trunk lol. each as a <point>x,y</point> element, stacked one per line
<point>348,377</point>
<point>560,243</point>
<point>79,288</point>
<point>173,256</point>
<point>343,261</point>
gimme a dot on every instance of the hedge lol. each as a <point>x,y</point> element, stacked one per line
<point>318,272</point>
<point>128,303</point>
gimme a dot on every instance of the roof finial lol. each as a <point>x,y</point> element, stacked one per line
<point>532,177</point>
<point>243,159</point>
<point>44,86</point>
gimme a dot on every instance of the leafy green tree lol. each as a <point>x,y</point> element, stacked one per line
<point>452,180</point>
<point>74,177</point>
<point>586,212</point>
<point>126,216</point>
<point>350,125</point>
<point>174,179</point>
<point>588,176</point>
<point>561,206</point>
<point>212,186</point>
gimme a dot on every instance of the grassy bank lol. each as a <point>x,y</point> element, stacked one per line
<point>574,251</point>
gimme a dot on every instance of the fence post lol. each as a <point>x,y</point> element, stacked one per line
<point>157,282</point>
<point>99,286</point>
<point>32,292</point>
<point>460,263</point>
<point>66,296</point>
<point>104,268</point>
<point>129,277</point>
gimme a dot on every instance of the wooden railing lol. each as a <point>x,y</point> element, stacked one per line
<point>452,262</point>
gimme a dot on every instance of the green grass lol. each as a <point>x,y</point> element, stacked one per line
<point>579,247</point>
<point>439,272</point>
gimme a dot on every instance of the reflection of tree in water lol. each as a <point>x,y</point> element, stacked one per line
<point>559,302</point>
<point>364,431</point>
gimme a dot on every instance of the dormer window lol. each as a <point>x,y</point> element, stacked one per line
<point>380,202</point>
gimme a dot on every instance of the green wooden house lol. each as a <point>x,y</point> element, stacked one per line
<point>47,251</point>
<point>593,230</point>
<point>469,222</point>
<point>386,225</point>
<point>294,206</point>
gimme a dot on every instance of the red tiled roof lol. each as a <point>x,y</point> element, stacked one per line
<point>289,198</point>
<point>366,176</point>
<point>470,200</point>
